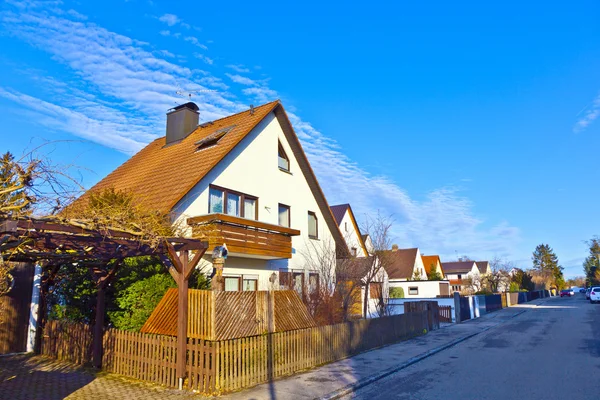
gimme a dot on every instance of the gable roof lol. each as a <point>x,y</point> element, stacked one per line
<point>429,260</point>
<point>161,175</point>
<point>458,267</point>
<point>401,263</point>
<point>338,212</point>
<point>483,266</point>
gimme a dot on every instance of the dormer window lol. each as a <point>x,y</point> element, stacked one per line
<point>212,139</point>
<point>283,160</point>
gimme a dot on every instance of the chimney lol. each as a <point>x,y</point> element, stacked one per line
<point>181,121</point>
<point>394,247</point>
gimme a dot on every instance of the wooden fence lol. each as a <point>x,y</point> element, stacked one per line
<point>226,365</point>
<point>445,313</point>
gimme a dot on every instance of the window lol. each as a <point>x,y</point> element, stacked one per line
<point>284,215</point>
<point>215,202</point>
<point>345,227</point>
<point>233,204</point>
<point>230,202</point>
<point>250,284</point>
<point>413,290</point>
<point>313,283</point>
<point>298,281</point>
<point>313,225</point>
<point>285,279</point>
<point>283,160</point>
<point>232,284</point>
<point>249,206</point>
<point>354,251</point>
<point>459,276</point>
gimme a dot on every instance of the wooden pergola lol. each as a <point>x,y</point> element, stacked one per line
<point>52,243</point>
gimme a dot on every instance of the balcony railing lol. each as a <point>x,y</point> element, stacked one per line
<point>244,236</point>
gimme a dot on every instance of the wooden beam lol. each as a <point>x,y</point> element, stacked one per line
<point>192,264</point>
<point>182,318</point>
<point>102,277</point>
<point>170,267</point>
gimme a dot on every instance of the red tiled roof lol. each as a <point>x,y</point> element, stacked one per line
<point>428,261</point>
<point>160,175</point>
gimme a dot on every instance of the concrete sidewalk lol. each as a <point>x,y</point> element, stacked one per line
<point>342,377</point>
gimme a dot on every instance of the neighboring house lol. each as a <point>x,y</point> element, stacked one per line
<point>378,288</point>
<point>243,181</point>
<point>403,266</point>
<point>433,264</point>
<point>344,217</point>
<point>457,272</point>
<point>483,267</point>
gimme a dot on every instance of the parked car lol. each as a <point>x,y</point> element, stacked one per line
<point>595,294</point>
<point>566,292</point>
<point>582,290</point>
<point>587,293</point>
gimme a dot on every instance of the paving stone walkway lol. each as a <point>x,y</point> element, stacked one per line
<point>24,377</point>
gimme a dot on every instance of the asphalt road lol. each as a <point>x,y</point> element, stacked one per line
<point>548,352</point>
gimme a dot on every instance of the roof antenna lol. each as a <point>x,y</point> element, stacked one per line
<point>251,109</point>
<point>188,93</point>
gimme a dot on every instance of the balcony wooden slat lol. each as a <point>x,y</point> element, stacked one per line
<point>215,218</point>
<point>243,236</point>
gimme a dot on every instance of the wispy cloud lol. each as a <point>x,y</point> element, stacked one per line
<point>169,19</point>
<point>127,87</point>
<point>204,58</point>
<point>193,40</point>
<point>590,113</point>
<point>241,79</point>
<point>238,68</point>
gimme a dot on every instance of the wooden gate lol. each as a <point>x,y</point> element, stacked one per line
<point>14,310</point>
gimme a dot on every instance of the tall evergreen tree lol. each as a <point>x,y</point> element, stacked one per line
<point>591,264</point>
<point>545,263</point>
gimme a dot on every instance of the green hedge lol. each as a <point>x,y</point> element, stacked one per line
<point>396,293</point>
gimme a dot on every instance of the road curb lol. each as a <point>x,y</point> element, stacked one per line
<point>374,378</point>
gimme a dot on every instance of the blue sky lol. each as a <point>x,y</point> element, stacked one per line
<point>473,124</point>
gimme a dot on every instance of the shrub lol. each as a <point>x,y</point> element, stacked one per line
<point>396,293</point>
<point>139,300</point>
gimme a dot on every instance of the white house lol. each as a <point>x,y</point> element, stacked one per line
<point>406,270</point>
<point>243,181</point>
<point>457,272</point>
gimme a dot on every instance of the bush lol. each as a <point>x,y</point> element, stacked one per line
<point>396,293</point>
<point>139,300</point>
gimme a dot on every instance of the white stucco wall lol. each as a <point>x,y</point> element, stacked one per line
<point>351,235</point>
<point>419,266</point>
<point>252,168</point>
<point>425,288</point>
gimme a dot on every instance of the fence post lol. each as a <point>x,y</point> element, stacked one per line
<point>457,307</point>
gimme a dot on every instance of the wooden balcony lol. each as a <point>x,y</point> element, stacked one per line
<point>244,236</point>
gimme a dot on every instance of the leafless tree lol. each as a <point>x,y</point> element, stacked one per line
<point>378,228</point>
<point>338,287</point>
<point>499,275</point>
<point>34,184</point>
